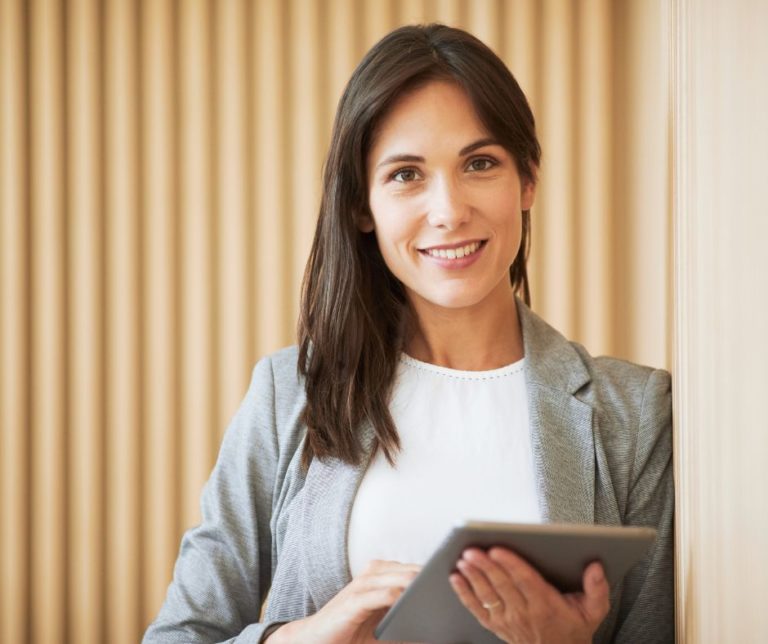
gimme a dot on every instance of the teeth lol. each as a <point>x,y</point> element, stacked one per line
<point>454,253</point>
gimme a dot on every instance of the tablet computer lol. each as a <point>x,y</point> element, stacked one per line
<point>430,611</point>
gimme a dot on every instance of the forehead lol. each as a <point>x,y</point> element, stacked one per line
<point>439,112</point>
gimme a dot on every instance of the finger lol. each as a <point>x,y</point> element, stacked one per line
<point>468,598</point>
<point>526,579</point>
<point>382,565</point>
<point>480,584</point>
<point>376,599</point>
<point>596,601</point>
<point>373,581</point>
<point>359,608</point>
<point>499,579</point>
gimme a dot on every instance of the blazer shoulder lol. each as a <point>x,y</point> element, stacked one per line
<point>276,378</point>
<point>280,370</point>
<point>624,388</point>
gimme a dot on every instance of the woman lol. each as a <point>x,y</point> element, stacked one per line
<point>424,391</point>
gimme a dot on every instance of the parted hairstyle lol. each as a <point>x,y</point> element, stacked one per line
<point>354,311</point>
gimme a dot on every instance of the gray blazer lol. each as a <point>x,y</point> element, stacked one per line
<point>601,431</point>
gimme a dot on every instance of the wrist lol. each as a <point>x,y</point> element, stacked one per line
<point>283,634</point>
<point>272,636</point>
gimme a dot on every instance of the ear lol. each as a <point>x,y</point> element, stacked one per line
<point>528,195</point>
<point>528,192</point>
<point>365,223</point>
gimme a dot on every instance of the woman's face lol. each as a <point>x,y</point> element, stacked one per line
<point>446,200</point>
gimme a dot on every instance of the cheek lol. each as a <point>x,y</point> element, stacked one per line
<point>507,220</point>
<point>497,210</point>
<point>396,227</point>
<point>394,240</point>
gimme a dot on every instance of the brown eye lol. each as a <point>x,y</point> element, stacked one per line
<point>480,164</point>
<point>404,175</point>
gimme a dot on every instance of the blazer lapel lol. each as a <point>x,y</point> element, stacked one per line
<point>561,424</point>
<point>329,491</point>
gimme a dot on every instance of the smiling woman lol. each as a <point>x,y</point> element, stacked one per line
<point>424,391</point>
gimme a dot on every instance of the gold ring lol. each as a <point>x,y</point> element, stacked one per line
<point>491,606</point>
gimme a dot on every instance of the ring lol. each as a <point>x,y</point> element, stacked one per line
<point>491,606</point>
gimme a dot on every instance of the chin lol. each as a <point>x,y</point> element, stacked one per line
<point>453,300</point>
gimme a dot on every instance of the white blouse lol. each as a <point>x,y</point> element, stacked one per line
<point>466,454</point>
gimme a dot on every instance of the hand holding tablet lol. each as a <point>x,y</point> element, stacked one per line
<point>431,611</point>
<point>509,598</point>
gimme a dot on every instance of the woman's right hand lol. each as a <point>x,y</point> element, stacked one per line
<point>353,614</point>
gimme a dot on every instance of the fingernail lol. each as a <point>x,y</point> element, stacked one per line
<point>597,576</point>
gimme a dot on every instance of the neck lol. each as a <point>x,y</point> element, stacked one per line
<point>477,338</point>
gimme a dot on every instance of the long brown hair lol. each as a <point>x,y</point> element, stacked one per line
<point>352,307</point>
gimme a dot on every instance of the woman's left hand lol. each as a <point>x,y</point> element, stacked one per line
<point>512,600</point>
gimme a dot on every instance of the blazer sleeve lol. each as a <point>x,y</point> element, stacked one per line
<point>223,570</point>
<point>646,611</point>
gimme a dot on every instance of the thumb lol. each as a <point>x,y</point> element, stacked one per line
<point>596,600</point>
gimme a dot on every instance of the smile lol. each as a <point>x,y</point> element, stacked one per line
<point>453,253</point>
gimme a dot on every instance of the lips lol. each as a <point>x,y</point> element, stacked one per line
<point>453,251</point>
<point>455,257</point>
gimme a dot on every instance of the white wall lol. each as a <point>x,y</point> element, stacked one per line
<point>721,366</point>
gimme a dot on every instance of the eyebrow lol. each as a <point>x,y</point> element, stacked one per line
<point>412,158</point>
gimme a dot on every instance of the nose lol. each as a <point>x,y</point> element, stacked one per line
<point>447,208</point>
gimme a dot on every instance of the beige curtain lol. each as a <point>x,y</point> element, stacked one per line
<point>159,181</point>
